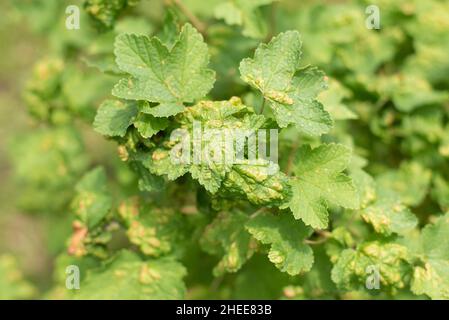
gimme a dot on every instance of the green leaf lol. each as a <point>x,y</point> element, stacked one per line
<point>246,14</point>
<point>317,283</point>
<point>114,117</point>
<point>170,28</point>
<point>319,180</point>
<point>432,278</point>
<point>43,89</point>
<point>426,122</point>
<point>103,62</point>
<point>105,12</point>
<point>164,109</point>
<point>148,125</point>
<point>286,237</point>
<point>160,163</point>
<point>226,236</point>
<point>411,182</point>
<point>12,283</point>
<point>229,12</point>
<point>409,92</point>
<point>440,192</point>
<point>168,77</point>
<point>249,286</point>
<point>388,215</point>
<point>339,240</point>
<point>364,184</point>
<point>257,184</point>
<point>48,163</point>
<point>332,100</point>
<point>128,277</point>
<point>205,157</point>
<point>155,230</point>
<point>290,90</point>
<point>133,24</point>
<point>93,201</point>
<point>354,266</point>
<point>147,181</point>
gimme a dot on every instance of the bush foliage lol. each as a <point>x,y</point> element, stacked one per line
<point>362,189</point>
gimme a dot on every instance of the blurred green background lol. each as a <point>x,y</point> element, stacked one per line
<point>394,81</point>
<point>20,234</point>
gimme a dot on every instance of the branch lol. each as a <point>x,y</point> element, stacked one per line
<point>291,157</point>
<point>257,212</point>
<point>315,242</point>
<point>263,106</point>
<point>200,26</point>
<point>272,25</point>
<point>324,235</point>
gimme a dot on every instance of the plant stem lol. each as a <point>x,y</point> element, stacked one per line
<point>324,235</point>
<point>291,157</point>
<point>189,14</point>
<point>319,241</point>
<point>263,106</point>
<point>216,283</point>
<point>257,212</point>
<point>273,21</point>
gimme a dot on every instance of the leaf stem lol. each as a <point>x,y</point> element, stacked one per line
<point>324,235</point>
<point>216,283</point>
<point>319,241</point>
<point>200,26</point>
<point>272,19</point>
<point>291,157</point>
<point>263,106</point>
<point>257,212</point>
